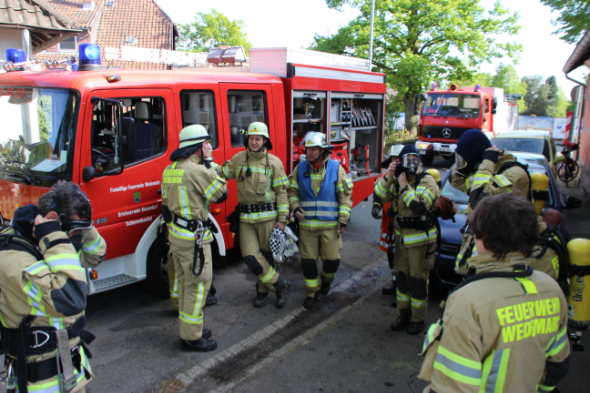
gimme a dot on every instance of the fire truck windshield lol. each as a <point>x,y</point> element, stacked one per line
<point>38,133</point>
<point>452,105</point>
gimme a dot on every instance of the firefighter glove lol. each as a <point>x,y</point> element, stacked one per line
<point>375,211</point>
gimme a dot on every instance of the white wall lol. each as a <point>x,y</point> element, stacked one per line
<point>9,38</point>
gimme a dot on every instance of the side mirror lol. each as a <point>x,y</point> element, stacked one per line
<point>88,173</point>
<point>573,202</point>
<point>494,105</point>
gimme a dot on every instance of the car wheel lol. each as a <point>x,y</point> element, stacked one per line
<point>156,282</point>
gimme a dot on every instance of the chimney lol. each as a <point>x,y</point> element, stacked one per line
<point>88,5</point>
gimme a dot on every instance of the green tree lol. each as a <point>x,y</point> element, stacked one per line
<point>507,78</point>
<point>544,97</point>
<point>210,30</point>
<point>573,19</point>
<point>420,41</point>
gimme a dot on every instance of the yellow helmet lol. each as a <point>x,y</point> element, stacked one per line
<point>193,135</point>
<point>258,128</point>
<point>434,173</point>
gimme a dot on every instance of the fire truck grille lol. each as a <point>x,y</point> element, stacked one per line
<point>112,282</point>
<point>438,132</point>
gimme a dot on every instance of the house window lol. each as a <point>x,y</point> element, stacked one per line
<point>68,45</point>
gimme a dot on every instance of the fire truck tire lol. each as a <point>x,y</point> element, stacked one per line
<point>427,160</point>
<point>156,282</point>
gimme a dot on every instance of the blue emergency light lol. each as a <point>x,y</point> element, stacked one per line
<point>90,57</point>
<point>16,55</point>
<point>477,87</point>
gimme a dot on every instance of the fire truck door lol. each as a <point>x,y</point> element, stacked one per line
<point>486,115</point>
<point>125,204</point>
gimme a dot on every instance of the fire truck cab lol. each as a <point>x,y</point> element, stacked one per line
<point>112,132</point>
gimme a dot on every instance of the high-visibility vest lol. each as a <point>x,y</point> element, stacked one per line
<point>325,205</point>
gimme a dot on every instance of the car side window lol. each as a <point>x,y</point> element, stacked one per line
<point>245,107</point>
<point>487,106</point>
<point>143,132</point>
<point>198,107</point>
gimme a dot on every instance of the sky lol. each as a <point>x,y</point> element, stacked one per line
<point>280,23</point>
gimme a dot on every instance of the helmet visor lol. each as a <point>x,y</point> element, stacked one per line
<point>411,161</point>
<point>460,162</point>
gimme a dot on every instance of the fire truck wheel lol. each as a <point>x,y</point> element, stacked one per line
<point>427,160</point>
<point>156,282</point>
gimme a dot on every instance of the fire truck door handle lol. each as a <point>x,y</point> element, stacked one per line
<point>159,192</point>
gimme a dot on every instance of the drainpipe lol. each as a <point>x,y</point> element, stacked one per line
<point>26,36</point>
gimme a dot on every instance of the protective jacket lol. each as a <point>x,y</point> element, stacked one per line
<point>94,248</point>
<point>187,190</point>
<point>416,223</point>
<point>499,334</point>
<point>47,292</point>
<point>328,183</point>
<point>490,179</point>
<point>261,179</point>
<point>385,194</point>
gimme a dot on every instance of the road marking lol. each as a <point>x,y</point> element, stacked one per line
<point>190,375</point>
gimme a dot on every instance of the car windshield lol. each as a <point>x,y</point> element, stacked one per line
<point>38,128</point>
<point>535,165</point>
<point>525,145</point>
<point>454,105</point>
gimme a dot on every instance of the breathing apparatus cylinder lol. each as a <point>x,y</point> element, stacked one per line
<point>539,185</point>
<point>435,175</point>
<point>578,302</point>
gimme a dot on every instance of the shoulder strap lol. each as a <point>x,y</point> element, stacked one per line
<point>19,243</point>
<point>512,164</point>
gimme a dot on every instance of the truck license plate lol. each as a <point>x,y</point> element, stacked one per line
<point>445,149</point>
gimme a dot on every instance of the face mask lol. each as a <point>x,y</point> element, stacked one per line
<point>76,242</point>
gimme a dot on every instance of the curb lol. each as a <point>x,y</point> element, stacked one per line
<point>189,376</point>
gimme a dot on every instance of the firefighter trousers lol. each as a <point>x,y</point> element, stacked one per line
<point>172,281</point>
<point>324,243</point>
<point>192,289</point>
<point>414,267</point>
<point>258,256</point>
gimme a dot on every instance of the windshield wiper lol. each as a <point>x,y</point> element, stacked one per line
<point>30,177</point>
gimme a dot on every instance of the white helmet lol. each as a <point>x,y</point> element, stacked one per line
<point>313,139</point>
<point>394,151</point>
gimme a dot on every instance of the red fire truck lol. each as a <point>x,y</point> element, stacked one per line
<point>447,114</point>
<point>112,132</point>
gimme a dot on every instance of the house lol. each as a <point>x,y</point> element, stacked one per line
<point>580,57</point>
<point>129,26</point>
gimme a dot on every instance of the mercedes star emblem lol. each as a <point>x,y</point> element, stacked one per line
<point>446,132</point>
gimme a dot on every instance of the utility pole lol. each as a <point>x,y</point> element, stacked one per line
<point>371,39</point>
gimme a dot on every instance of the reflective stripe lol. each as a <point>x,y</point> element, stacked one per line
<point>268,276</point>
<point>494,371</point>
<point>317,176</point>
<point>35,296</point>
<point>544,389</point>
<point>425,192</point>
<point>319,213</point>
<point>37,267</point>
<point>401,297</point>
<point>174,290</point>
<point>312,283</point>
<point>64,261</point>
<point>481,179</point>
<point>294,199</point>
<point>283,208</point>
<point>213,187</point>
<point>380,190</point>
<point>328,275</point>
<point>349,183</point>
<point>183,199</point>
<point>48,387</point>
<point>319,203</point>
<point>226,171</point>
<point>257,216</point>
<point>58,323</point>
<point>294,184</point>
<point>181,233</point>
<point>503,180</point>
<point>410,196</point>
<point>190,319</point>
<point>529,286</point>
<point>92,248</point>
<point>318,224</point>
<point>457,367</point>
<point>412,239</point>
<point>199,300</point>
<point>339,188</point>
<point>344,210</point>
<point>556,344</point>
<point>429,336</point>
<point>265,171</point>
<point>419,303</point>
<point>280,181</point>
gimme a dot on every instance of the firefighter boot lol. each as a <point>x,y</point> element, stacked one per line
<point>310,300</point>
<point>200,345</point>
<point>390,290</point>
<point>415,327</point>
<point>281,292</point>
<point>260,300</point>
<point>325,288</point>
<point>211,299</point>
<point>402,321</point>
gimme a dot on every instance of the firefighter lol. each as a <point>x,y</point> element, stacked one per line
<point>415,227</point>
<point>44,291</point>
<point>189,185</point>
<point>505,328</point>
<point>494,172</point>
<point>321,198</point>
<point>263,205</point>
<point>385,196</point>
<point>172,280</point>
